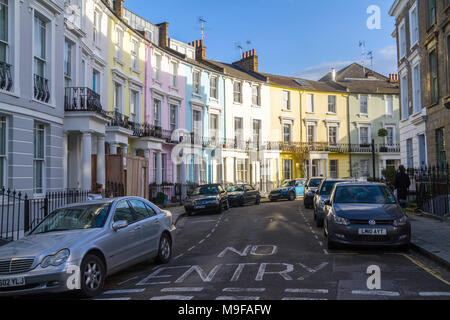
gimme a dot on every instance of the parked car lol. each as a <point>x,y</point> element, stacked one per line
<point>310,190</point>
<point>77,247</point>
<point>289,189</point>
<point>208,197</point>
<point>322,195</point>
<point>365,214</point>
<point>241,194</point>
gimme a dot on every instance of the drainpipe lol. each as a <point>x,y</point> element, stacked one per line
<point>224,126</point>
<point>349,137</point>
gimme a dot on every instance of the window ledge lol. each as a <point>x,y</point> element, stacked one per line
<point>255,106</point>
<point>135,71</point>
<point>307,112</point>
<point>10,93</point>
<point>363,115</point>
<point>332,113</point>
<point>286,110</point>
<point>119,61</point>
<point>43,103</point>
<point>173,88</point>
<point>157,82</point>
<point>196,95</point>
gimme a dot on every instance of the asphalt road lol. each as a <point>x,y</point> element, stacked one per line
<point>271,252</point>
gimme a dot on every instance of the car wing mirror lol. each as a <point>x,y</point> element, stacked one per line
<point>122,224</point>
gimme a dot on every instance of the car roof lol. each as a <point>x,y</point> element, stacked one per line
<point>361,183</point>
<point>316,178</point>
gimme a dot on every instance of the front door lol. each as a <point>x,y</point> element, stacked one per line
<point>94,173</point>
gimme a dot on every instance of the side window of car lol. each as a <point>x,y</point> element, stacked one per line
<point>151,210</point>
<point>140,210</point>
<point>124,212</point>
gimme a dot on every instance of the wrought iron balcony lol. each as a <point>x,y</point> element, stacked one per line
<point>307,147</point>
<point>6,81</point>
<point>120,120</point>
<point>82,99</point>
<point>41,91</point>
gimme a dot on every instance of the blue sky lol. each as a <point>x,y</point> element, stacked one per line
<point>291,37</point>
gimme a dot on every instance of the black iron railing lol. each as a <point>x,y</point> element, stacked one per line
<point>305,147</point>
<point>41,89</point>
<point>82,99</point>
<point>114,189</point>
<point>6,81</point>
<point>19,214</point>
<point>431,188</point>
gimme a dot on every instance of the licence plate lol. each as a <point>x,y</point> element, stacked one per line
<point>373,232</point>
<point>199,207</point>
<point>12,282</point>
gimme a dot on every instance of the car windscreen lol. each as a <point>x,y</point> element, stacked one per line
<point>288,183</point>
<point>74,218</point>
<point>314,183</point>
<point>363,194</point>
<point>206,190</point>
<point>327,187</point>
<point>235,189</point>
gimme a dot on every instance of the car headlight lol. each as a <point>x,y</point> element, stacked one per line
<point>57,259</point>
<point>340,220</point>
<point>400,222</point>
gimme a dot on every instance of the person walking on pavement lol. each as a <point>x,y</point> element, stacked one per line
<point>402,184</point>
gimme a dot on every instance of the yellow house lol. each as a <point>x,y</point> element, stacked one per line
<point>285,102</point>
<point>126,83</point>
<point>310,123</point>
<point>324,115</point>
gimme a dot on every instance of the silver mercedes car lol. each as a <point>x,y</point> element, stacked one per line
<point>76,247</point>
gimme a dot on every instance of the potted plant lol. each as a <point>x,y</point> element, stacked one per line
<point>382,133</point>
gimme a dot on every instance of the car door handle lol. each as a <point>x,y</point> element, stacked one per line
<point>157,221</point>
<point>137,228</point>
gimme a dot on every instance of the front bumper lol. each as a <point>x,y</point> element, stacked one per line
<point>39,281</point>
<point>207,207</point>
<point>308,200</point>
<point>348,235</point>
<point>279,195</point>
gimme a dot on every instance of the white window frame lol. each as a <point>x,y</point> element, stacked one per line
<point>286,96</point>
<point>331,171</point>
<point>256,95</point>
<point>289,169</point>
<point>173,74</point>
<point>197,82</point>
<point>176,107</point>
<point>314,125</point>
<point>157,67</point>
<point>213,87</point>
<point>369,134</point>
<point>364,173</point>
<point>118,101</point>
<point>290,124</point>
<point>97,26</point>
<point>393,135</point>
<point>389,110</point>
<point>41,160</point>
<point>310,103</point>
<point>156,111</point>
<point>214,135</point>
<point>119,34</point>
<point>239,137</point>
<point>414,25</point>
<point>200,127</point>
<point>135,47</point>
<point>4,121</point>
<point>334,104</point>
<point>402,39</point>
<point>416,87</point>
<point>336,127</point>
<point>237,94</point>
<point>135,117</point>
<point>404,93</point>
<point>361,99</point>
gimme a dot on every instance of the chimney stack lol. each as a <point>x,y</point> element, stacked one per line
<point>393,78</point>
<point>249,61</point>
<point>333,74</point>
<point>164,34</point>
<point>200,50</point>
<point>118,7</point>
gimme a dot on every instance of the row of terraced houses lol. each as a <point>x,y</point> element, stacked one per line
<point>93,94</point>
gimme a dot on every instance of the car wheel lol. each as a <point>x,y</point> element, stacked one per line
<point>292,196</point>
<point>258,201</point>
<point>92,276</point>
<point>165,250</point>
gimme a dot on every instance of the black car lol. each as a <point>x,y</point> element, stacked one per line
<point>241,194</point>
<point>208,197</point>
<point>310,191</point>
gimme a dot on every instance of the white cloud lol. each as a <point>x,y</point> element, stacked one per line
<point>384,62</point>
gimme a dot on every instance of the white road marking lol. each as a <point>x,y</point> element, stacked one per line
<point>434,294</point>
<point>303,299</point>
<point>201,241</point>
<point>173,298</point>
<point>113,299</point>
<point>321,243</point>
<point>209,235</point>
<point>182,289</point>
<point>325,251</point>
<point>200,221</point>
<point>376,293</point>
<point>127,280</point>
<point>124,291</point>
<point>213,230</point>
<point>191,248</point>
<point>244,289</point>
<point>236,298</point>
<point>179,256</point>
<point>318,291</point>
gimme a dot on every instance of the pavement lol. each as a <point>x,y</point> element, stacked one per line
<point>431,237</point>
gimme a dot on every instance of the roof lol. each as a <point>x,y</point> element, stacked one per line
<point>303,84</point>
<point>357,79</point>
<point>235,71</point>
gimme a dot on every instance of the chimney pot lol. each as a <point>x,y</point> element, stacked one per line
<point>333,74</point>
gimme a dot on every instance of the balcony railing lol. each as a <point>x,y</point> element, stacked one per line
<point>307,147</point>
<point>41,91</point>
<point>6,81</point>
<point>120,120</point>
<point>82,99</point>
